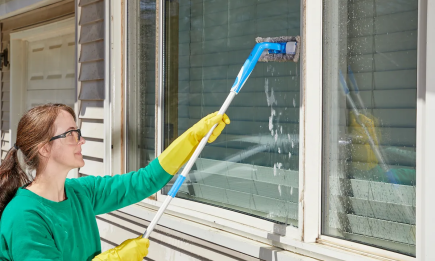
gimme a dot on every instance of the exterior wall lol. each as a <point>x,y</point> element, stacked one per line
<point>165,244</point>
<point>91,66</point>
<point>30,19</point>
<point>5,105</point>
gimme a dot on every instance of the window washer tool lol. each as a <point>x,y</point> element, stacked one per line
<point>270,49</point>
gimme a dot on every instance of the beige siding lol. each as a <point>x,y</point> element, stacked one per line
<point>5,137</point>
<point>166,244</point>
<point>4,105</point>
<point>91,84</point>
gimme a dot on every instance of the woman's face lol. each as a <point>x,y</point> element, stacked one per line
<point>67,154</point>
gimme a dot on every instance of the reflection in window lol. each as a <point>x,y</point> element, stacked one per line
<point>141,82</point>
<point>253,166</point>
<point>369,121</point>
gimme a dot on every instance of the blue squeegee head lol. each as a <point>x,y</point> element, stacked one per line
<point>268,56</point>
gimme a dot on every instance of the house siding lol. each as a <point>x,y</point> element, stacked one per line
<point>91,66</point>
<point>165,243</point>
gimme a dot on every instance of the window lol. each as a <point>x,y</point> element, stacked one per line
<point>359,119</point>
<point>369,122</point>
<point>253,166</point>
<point>141,81</point>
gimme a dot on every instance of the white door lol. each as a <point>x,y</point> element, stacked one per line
<point>43,69</point>
<point>51,71</point>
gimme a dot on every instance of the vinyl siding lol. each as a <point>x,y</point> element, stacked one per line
<point>165,244</point>
<point>91,64</point>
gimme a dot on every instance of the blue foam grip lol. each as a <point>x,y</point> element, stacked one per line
<point>176,186</point>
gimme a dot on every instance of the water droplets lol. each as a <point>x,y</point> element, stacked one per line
<point>272,113</point>
<point>270,98</point>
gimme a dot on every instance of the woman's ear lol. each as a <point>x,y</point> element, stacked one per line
<point>45,150</point>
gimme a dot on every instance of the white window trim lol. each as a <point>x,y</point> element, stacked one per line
<point>115,84</point>
<point>425,129</point>
<point>307,240</point>
<point>312,107</point>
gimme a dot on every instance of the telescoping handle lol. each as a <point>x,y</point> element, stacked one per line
<point>186,170</point>
<point>243,75</point>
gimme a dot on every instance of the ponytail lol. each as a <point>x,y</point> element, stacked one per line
<point>35,129</point>
<point>11,178</point>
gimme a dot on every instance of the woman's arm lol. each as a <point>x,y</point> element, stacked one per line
<point>111,193</point>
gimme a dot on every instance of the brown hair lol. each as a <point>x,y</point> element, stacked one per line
<point>35,129</point>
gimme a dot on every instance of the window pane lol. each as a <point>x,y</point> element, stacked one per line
<point>141,82</point>
<point>369,136</point>
<point>253,166</point>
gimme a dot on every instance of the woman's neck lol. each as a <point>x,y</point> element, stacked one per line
<point>49,185</point>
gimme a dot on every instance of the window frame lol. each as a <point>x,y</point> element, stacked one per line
<point>289,231</point>
<point>314,118</point>
<point>308,237</point>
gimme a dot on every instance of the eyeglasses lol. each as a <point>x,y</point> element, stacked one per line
<point>70,137</point>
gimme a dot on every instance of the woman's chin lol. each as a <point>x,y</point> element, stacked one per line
<point>81,164</point>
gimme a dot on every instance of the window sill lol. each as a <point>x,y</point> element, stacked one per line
<point>269,247</point>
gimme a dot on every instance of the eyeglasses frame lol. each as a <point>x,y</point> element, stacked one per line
<point>63,135</point>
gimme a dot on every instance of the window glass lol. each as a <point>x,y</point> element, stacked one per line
<point>141,82</point>
<point>369,122</point>
<point>253,166</point>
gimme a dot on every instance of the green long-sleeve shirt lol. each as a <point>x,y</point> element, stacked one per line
<point>34,228</point>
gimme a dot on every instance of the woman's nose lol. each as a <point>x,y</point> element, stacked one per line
<point>82,141</point>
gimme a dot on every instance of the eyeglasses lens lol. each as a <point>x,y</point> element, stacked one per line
<point>72,137</point>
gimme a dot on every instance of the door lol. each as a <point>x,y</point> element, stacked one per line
<point>51,71</point>
<point>42,69</point>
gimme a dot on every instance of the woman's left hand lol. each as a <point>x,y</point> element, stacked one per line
<point>202,127</point>
<point>181,149</point>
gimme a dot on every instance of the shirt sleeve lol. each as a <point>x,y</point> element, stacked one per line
<point>29,238</point>
<point>110,193</point>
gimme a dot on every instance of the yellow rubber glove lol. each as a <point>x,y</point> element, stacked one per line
<point>130,250</point>
<point>180,151</point>
<point>358,131</point>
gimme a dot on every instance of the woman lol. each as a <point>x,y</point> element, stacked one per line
<point>53,218</point>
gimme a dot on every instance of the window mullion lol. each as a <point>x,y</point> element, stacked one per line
<point>312,106</point>
<point>425,129</point>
